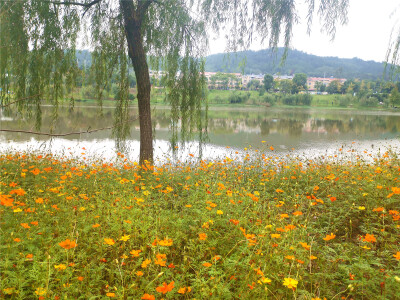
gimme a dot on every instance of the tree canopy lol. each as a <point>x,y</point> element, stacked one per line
<point>39,39</point>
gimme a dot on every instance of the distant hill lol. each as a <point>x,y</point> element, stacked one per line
<point>266,62</point>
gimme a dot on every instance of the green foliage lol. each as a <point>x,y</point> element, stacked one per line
<point>238,97</point>
<point>268,82</point>
<point>299,82</point>
<point>300,99</point>
<point>334,87</point>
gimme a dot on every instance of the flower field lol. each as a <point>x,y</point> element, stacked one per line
<point>258,228</point>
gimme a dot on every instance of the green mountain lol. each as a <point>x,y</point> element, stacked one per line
<point>268,62</point>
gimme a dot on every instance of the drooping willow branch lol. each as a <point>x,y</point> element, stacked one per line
<point>61,134</point>
<point>9,104</point>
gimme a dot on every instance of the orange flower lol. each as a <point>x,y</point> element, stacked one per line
<point>109,241</point>
<point>35,171</point>
<point>305,245</point>
<point>165,242</point>
<point>145,263</point>
<point>397,255</point>
<point>135,253</point>
<point>290,227</point>
<point>207,264</point>
<point>160,260</point>
<point>369,238</point>
<point>39,200</point>
<point>329,237</point>
<point>275,235</point>
<point>96,225</point>
<point>6,200</point>
<point>139,273</point>
<point>148,297</point>
<point>80,278</point>
<point>35,223</point>
<point>18,192</point>
<point>233,221</point>
<point>67,244</point>
<point>165,288</point>
<point>17,240</point>
<point>379,209</point>
<point>25,225</point>
<point>316,188</point>
<point>297,213</point>
<point>184,290</point>
<point>202,236</point>
<point>110,294</point>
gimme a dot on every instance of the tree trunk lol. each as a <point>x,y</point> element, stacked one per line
<point>137,54</point>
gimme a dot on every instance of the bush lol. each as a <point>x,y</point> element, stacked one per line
<point>237,98</point>
<point>300,99</point>
<point>269,99</point>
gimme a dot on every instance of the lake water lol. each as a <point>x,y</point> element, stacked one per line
<point>302,132</point>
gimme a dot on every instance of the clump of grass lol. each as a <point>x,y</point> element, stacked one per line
<point>256,229</point>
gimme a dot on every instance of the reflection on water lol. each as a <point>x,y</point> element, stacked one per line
<point>300,129</point>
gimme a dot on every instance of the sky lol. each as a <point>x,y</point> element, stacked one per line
<point>365,36</point>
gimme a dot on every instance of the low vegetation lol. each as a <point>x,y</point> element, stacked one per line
<point>253,227</point>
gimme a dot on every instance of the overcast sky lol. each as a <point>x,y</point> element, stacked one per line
<point>366,35</point>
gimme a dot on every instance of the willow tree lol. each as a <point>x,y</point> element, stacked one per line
<point>38,41</point>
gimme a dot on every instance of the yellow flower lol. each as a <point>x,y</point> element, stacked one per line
<point>125,237</point>
<point>219,212</point>
<point>265,280</point>
<point>361,207</point>
<point>109,241</point>
<point>60,267</point>
<point>290,283</point>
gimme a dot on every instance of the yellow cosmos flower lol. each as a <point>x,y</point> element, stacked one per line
<point>125,237</point>
<point>220,212</point>
<point>290,283</point>
<point>265,280</point>
<point>60,267</point>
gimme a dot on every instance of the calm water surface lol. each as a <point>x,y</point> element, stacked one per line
<point>307,132</point>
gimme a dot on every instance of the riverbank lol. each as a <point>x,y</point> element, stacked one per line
<point>214,229</point>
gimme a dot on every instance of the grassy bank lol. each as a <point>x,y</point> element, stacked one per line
<point>258,229</point>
